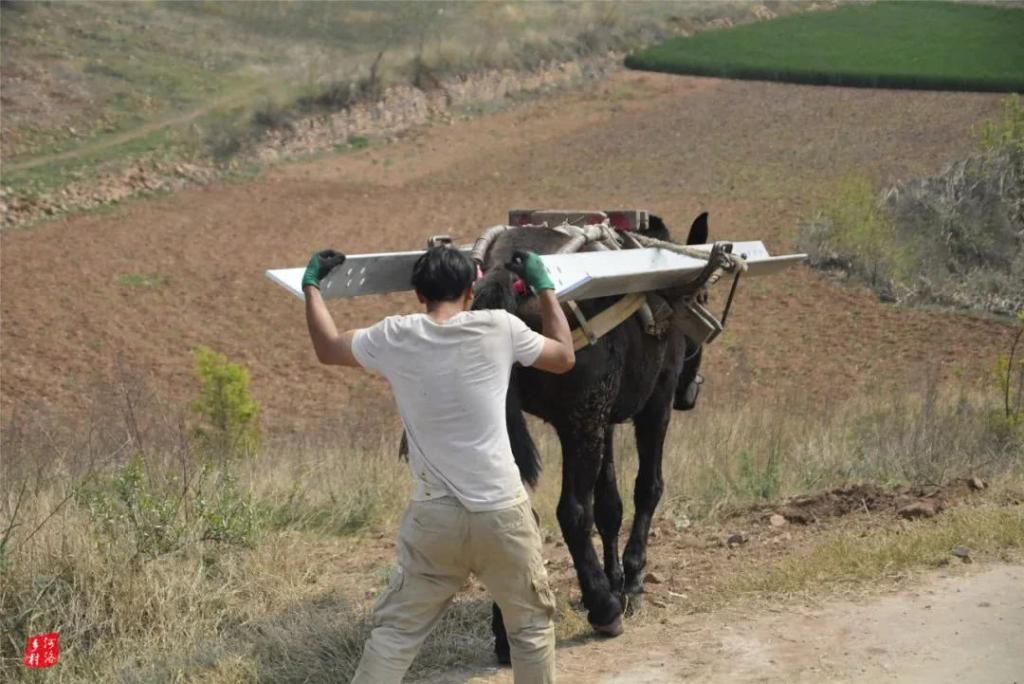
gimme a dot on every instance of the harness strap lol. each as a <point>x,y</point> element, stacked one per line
<point>588,332</point>
<point>606,321</point>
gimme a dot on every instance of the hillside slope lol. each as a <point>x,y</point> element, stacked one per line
<point>146,283</point>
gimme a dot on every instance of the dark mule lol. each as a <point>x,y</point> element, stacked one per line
<point>628,375</point>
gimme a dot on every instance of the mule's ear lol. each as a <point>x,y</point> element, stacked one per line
<point>699,230</point>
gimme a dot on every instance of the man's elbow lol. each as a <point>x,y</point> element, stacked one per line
<point>327,356</point>
<point>566,362</point>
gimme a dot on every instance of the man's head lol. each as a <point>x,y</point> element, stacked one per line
<point>443,274</point>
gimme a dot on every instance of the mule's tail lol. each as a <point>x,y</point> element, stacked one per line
<point>494,291</point>
<point>523,448</point>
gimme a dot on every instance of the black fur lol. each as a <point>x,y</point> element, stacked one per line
<point>627,375</point>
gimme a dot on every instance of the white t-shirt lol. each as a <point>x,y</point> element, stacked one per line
<point>450,381</point>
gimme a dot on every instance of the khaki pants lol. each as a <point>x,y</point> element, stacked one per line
<point>439,545</point>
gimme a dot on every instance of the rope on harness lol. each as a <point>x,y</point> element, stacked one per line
<point>720,259</point>
<point>602,236</point>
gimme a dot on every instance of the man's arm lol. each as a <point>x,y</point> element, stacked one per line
<point>557,355</point>
<point>331,347</point>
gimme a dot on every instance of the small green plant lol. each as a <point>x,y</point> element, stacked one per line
<point>143,281</point>
<point>1007,132</point>
<point>157,517</point>
<point>854,233</point>
<point>225,512</point>
<point>1008,419</point>
<point>227,426</point>
<point>759,480</point>
<point>128,505</point>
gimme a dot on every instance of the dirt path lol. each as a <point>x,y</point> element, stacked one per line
<point>950,628</point>
<point>233,97</point>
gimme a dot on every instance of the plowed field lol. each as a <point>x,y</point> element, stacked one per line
<point>758,156</point>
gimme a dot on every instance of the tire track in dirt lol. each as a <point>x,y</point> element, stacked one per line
<point>758,156</point>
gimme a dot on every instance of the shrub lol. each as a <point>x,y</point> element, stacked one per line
<point>272,115</point>
<point>226,411</point>
<point>156,514</point>
<point>956,239</point>
<point>853,234</point>
<point>129,505</point>
<point>1008,374</point>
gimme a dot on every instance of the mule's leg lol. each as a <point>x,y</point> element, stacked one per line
<point>502,651</point>
<point>608,513</point>
<point>582,453</point>
<point>650,426</point>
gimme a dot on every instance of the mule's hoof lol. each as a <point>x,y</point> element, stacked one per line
<point>633,602</point>
<point>612,629</point>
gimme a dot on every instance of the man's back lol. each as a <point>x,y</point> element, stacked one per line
<point>450,380</point>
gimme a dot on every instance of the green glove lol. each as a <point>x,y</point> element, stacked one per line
<point>530,268</point>
<point>320,264</point>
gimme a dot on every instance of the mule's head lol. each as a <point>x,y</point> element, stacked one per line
<point>494,290</point>
<point>657,229</point>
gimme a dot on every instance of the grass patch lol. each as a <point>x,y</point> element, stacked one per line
<point>843,558</point>
<point>137,539</point>
<point>88,163</point>
<point>91,84</point>
<point>358,142</point>
<point>919,45</point>
<point>143,281</point>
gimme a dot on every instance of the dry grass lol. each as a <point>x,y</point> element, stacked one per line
<point>844,559</point>
<point>292,604</point>
<point>103,84</point>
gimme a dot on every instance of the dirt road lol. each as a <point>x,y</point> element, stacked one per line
<point>950,628</point>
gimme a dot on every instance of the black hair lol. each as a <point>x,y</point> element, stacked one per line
<point>442,274</point>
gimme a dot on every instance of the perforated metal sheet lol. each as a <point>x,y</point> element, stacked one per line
<point>583,275</point>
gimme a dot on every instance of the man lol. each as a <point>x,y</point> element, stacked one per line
<point>449,370</point>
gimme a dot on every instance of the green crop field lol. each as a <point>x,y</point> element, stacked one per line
<point>925,45</point>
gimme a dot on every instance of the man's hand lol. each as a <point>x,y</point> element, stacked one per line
<point>320,264</point>
<point>330,346</point>
<point>530,268</point>
<point>557,355</point>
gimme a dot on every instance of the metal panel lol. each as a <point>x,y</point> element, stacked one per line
<point>361,274</point>
<point>583,275</point>
<point>587,275</point>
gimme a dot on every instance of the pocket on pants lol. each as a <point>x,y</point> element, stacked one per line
<point>395,583</point>
<point>541,587</point>
<point>509,520</point>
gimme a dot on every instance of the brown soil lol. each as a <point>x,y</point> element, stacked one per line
<point>758,156</point>
<point>906,501</point>
<point>952,628</point>
<point>687,629</point>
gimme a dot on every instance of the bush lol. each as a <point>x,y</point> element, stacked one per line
<point>1008,374</point>
<point>956,239</point>
<point>226,411</point>
<point>156,514</point>
<point>854,234</point>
